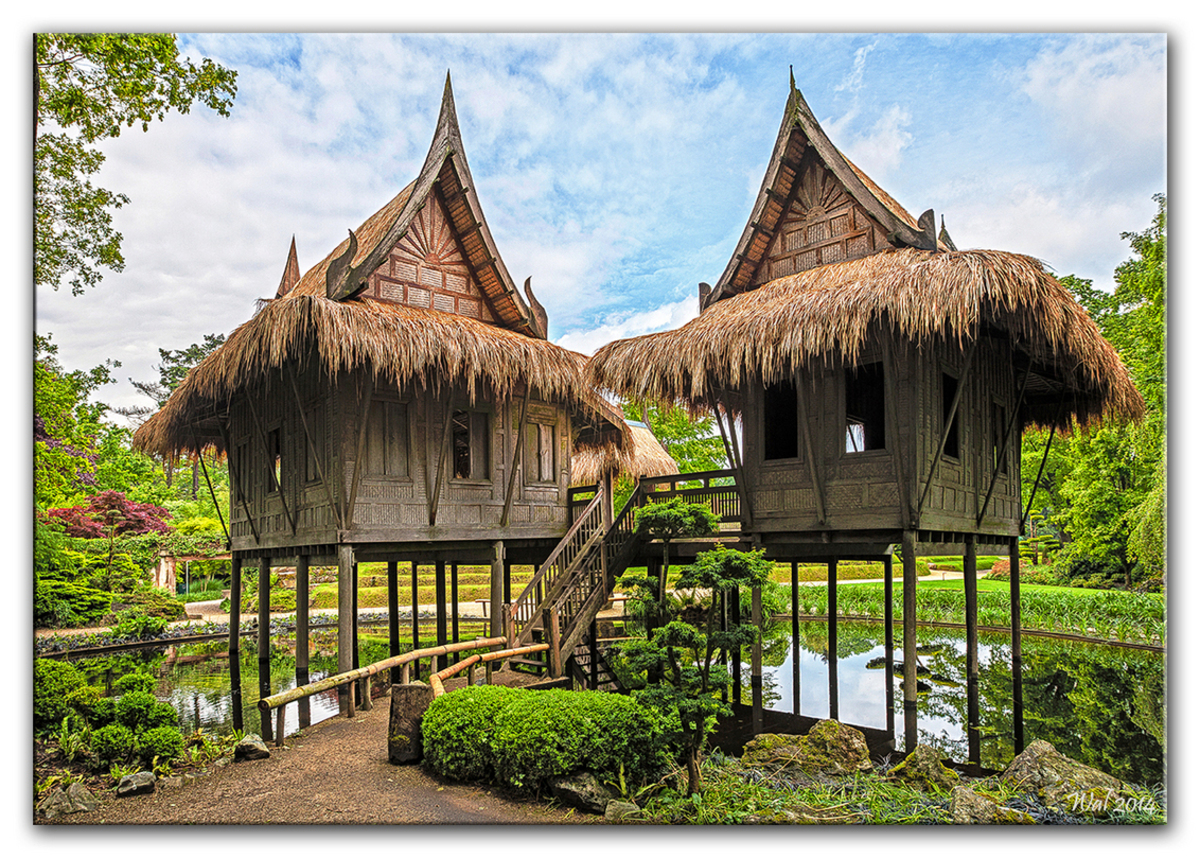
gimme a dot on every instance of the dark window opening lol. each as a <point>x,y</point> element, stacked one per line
<point>469,445</point>
<point>274,461</point>
<point>539,453</point>
<point>387,439</point>
<point>999,454</point>
<point>949,391</point>
<point>780,423</point>
<point>865,421</point>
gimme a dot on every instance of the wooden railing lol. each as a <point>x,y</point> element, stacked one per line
<point>524,613</point>
<point>436,680</point>
<point>279,701</point>
<point>723,500</point>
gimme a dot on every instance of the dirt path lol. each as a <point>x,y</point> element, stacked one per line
<point>336,772</point>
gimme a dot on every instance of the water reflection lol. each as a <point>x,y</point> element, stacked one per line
<point>1100,704</point>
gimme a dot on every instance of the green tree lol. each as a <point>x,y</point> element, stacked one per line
<point>682,658</point>
<point>673,519</point>
<point>88,87</point>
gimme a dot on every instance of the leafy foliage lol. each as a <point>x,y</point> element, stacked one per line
<point>160,743</point>
<point>88,87</point>
<point>109,513</point>
<point>113,743</point>
<point>53,681</point>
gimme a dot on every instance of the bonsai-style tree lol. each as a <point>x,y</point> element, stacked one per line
<point>686,652</point>
<point>673,519</point>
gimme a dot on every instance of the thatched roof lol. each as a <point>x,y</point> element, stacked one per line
<point>403,345</point>
<point>648,459</point>
<point>761,335</point>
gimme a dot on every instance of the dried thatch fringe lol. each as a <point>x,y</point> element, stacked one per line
<point>765,333</point>
<point>405,345</point>
<point>648,459</point>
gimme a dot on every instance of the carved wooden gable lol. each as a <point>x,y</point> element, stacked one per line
<point>823,224</point>
<point>426,268</point>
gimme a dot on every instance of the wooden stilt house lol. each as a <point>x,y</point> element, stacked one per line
<point>399,400</point>
<point>881,378</point>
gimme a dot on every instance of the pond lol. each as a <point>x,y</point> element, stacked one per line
<point>1100,704</point>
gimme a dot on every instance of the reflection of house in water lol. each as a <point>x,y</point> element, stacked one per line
<point>881,377</point>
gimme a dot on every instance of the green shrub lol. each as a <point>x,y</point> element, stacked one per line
<point>136,681</point>
<point>89,702</point>
<point>154,603</point>
<point>456,731</point>
<point>113,743</point>
<point>133,710</point>
<point>65,604</point>
<point>137,624</point>
<point>53,682</point>
<point>543,734</point>
<point>165,743</point>
<point>162,715</point>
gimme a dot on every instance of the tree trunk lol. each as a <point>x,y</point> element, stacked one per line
<point>693,770</point>
<point>195,477</point>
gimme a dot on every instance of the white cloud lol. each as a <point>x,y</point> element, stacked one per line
<point>661,318</point>
<point>853,81</point>
<point>879,151</point>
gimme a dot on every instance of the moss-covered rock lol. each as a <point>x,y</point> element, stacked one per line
<point>829,748</point>
<point>923,769</point>
<point>1063,783</point>
<point>970,808</point>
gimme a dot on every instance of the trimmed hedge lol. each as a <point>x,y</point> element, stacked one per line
<point>521,738</point>
<point>53,682</point>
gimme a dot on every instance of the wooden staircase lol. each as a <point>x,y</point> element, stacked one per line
<point>563,597</point>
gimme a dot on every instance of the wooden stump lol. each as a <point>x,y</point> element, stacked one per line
<point>409,703</point>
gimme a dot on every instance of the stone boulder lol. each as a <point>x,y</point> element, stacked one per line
<point>829,748</point>
<point>1062,783</point>
<point>252,747</point>
<point>409,703</point>
<point>76,798</point>
<point>582,790</point>
<point>141,783</point>
<point>618,810</point>
<point>923,769</point>
<point>970,808</point>
<point>804,815</point>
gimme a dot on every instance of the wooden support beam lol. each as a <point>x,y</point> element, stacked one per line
<point>262,440</point>
<point>264,640</point>
<point>810,452</point>
<point>516,459</point>
<point>908,557</point>
<point>1014,595</point>
<point>730,441</point>
<point>393,596</point>
<point>345,645</point>
<point>334,506</point>
<point>553,632</point>
<point>358,456</point>
<point>212,494</point>
<point>756,694</point>
<point>416,627</point>
<point>831,628</point>
<point>235,623</point>
<point>889,649</point>
<point>440,608</point>
<point>443,452</point>
<point>891,382</point>
<point>949,420</point>
<point>1004,443</point>
<point>970,594</point>
<point>1038,479</point>
<point>496,591</point>
<point>795,638</point>
<point>235,481</point>
<point>302,598</point>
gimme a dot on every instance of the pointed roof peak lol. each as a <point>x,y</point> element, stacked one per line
<point>291,272</point>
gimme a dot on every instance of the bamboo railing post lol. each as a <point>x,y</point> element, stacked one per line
<point>279,719</point>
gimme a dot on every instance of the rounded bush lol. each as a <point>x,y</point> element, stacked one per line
<point>162,715</point>
<point>137,681</point>
<point>166,743</point>
<point>89,702</point>
<point>53,682</point>
<point>133,709</point>
<point>113,743</point>
<point>456,731</point>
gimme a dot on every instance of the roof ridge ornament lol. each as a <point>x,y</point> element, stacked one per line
<point>944,236</point>
<point>291,272</point>
<point>334,274</point>
<point>540,318</point>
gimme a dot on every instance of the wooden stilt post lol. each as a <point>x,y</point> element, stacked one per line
<point>497,601</point>
<point>889,649</point>
<point>507,583</point>
<point>454,606</point>
<point>235,656</point>
<point>795,638</point>
<point>908,558</point>
<point>735,617</point>
<point>345,647</point>
<point>723,620</point>
<point>970,595</point>
<point>358,686</point>
<point>393,588</point>
<point>416,623</point>
<point>1014,593</point>
<point>440,587</point>
<point>302,588</point>
<point>756,698</point>
<point>831,632</point>
<point>264,640</point>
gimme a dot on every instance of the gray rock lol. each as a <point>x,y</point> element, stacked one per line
<point>923,769</point>
<point>970,808</point>
<point>828,748</point>
<point>409,703</point>
<point>171,781</point>
<point>54,804</point>
<point>1063,783</point>
<point>81,799</point>
<point>141,783</point>
<point>251,747</point>
<point>619,810</point>
<point>582,790</point>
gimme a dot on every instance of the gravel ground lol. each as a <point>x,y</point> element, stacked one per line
<point>337,772</point>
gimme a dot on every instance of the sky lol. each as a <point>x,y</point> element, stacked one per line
<point>616,170</point>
